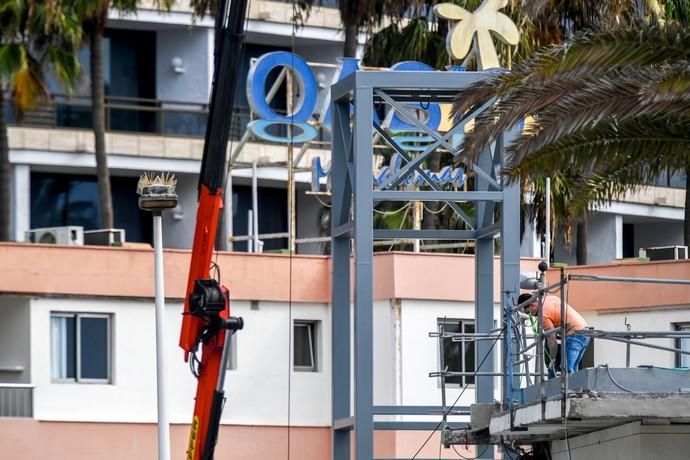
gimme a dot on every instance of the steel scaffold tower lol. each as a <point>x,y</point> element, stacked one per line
<point>356,101</point>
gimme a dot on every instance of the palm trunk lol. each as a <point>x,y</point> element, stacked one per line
<point>98,104</point>
<point>686,217</point>
<point>5,179</point>
<point>581,241</point>
<point>350,46</point>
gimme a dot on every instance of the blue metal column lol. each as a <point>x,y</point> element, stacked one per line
<point>510,250</point>
<point>363,228</point>
<point>484,293</point>
<point>340,313</point>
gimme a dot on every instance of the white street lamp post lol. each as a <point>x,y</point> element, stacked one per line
<point>156,194</point>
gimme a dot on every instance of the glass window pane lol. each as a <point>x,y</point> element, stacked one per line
<point>452,351</point>
<point>469,354</point>
<point>63,347</point>
<point>303,346</point>
<point>94,348</point>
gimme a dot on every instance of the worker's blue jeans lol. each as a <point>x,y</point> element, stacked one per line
<point>575,346</point>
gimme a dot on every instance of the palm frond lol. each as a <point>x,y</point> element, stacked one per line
<point>663,142</point>
<point>616,96</point>
<point>12,59</point>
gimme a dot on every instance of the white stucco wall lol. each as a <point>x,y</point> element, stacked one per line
<point>421,353</point>
<point>257,391</point>
<point>660,319</point>
<point>15,354</point>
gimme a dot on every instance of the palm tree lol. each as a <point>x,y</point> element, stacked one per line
<point>34,36</point>
<point>95,15</point>
<point>611,110</point>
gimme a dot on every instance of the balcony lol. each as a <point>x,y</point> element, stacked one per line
<point>16,400</point>
<point>140,127</point>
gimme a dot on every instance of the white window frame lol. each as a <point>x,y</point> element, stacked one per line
<point>464,322</point>
<point>77,345</point>
<point>312,337</point>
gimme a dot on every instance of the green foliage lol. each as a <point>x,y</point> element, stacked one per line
<point>36,36</point>
<point>608,110</point>
<point>411,42</point>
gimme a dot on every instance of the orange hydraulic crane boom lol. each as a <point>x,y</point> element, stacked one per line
<point>206,319</point>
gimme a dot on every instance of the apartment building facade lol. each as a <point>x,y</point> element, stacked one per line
<point>158,70</point>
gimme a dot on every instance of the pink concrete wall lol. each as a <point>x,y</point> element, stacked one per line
<point>128,272</point>
<point>599,295</point>
<point>29,439</point>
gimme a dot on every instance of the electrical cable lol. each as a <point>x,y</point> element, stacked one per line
<point>390,213</point>
<point>448,411</point>
<point>486,447</point>
<point>291,237</point>
<point>321,202</point>
<point>431,211</point>
<point>565,371</point>
<point>608,371</point>
<point>402,223</point>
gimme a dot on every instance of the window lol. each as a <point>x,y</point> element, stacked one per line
<point>305,349</point>
<point>69,199</point>
<point>458,354</point>
<point>80,347</point>
<point>683,360</point>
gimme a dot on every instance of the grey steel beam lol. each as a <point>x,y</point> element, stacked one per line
<point>484,297</point>
<point>344,230</point>
<point>404,113</point>
<point>510,259</point>
<point>416,82</point>
<point>364,345</point>
<point>486,176</point>
<point>419,195</point>
<point>626,280</point>
<point>420,157</point>
<point>381,234</point>
<point>344,89</point>
<point>489,230</point>
<point>346,424</point>
<point>340,300</point>
<point>341,182</point>
<point>421,172</point>
<point>416,426</point>
<point>420,410</point>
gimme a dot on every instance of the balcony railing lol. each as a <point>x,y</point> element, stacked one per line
<point>16,400</point>
<point>137,115</point>
<point>127,114</point>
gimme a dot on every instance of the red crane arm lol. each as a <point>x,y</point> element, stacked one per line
<point>206,320</point>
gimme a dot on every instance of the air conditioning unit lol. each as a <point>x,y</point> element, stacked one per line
<point>105,237</point>
<point>667,253</point>
<point>70,235</point>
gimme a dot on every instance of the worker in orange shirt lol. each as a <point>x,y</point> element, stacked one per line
<point>575,344</point>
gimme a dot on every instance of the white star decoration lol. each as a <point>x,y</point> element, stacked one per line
<point>480,22</point>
